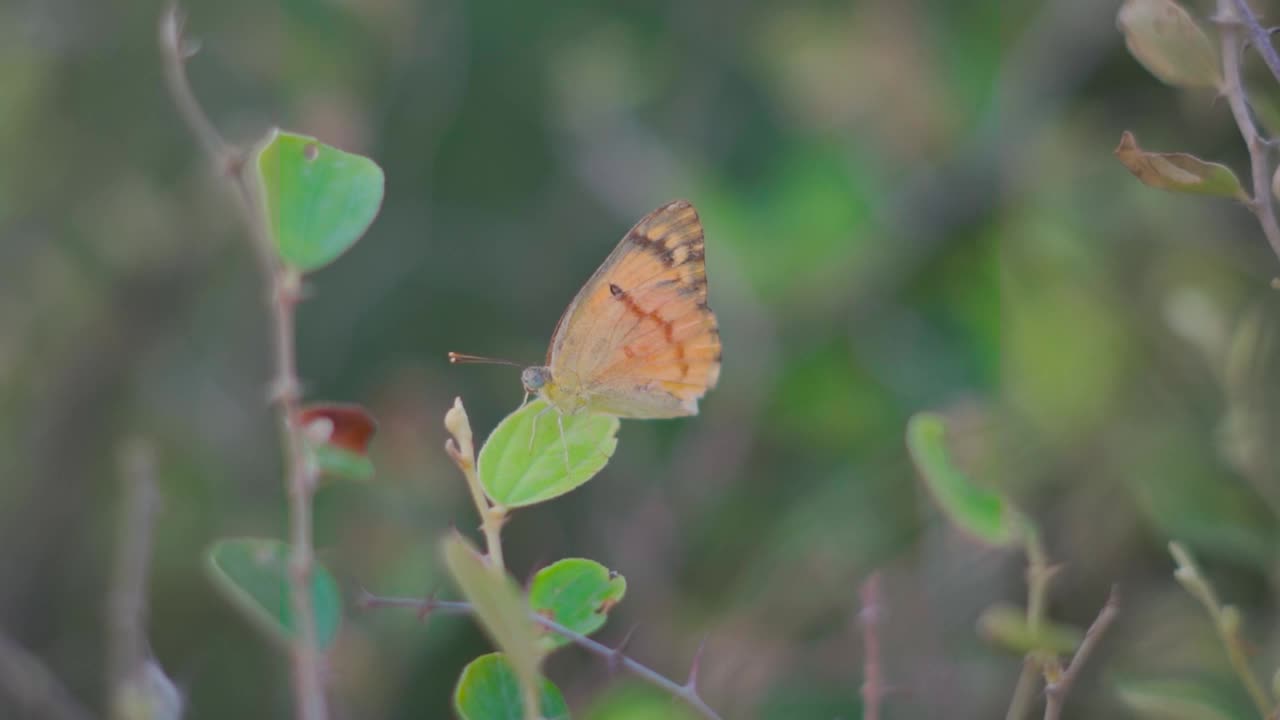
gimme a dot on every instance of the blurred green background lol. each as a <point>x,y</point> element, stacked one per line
<point>908,204</point>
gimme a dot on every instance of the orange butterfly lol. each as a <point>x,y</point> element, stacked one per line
<point>639,340</point>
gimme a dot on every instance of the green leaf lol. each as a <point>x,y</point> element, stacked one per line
<point>253,574</point>
<point>317,200</point>
<point>1164,699</point>
<point>514,473</point>
<point>489,690</point>
<point>1006,626</point>
<point>980,512</point>
<point>339,462</point>
<point>1178,172</point>
<point>632,701</point>
<point>578,594</point>
<point>498,606</point>
<point>1169,44</point>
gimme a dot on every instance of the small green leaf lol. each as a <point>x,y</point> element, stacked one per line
<point>1178,172</point>
<point>515,473</point>
<point>1006,626</point>
<point>1161,699</point>
<point>1169,44</point>
<point>254,575</point>
<point>982,513</point>
<point>578,594</point>
<point>489,690</point>
<point>336,462</point>
<point>317,200</point>
<point>498,606</point>
<point>632,701</point>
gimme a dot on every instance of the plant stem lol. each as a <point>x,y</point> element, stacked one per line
<point>687,692</point>
<point>1039,574</point>
<point>285,292</point>
<point>128,599</point>
<point>461,450</point>
<point>1233,16</point>
<point>869,617</point>
<point>1259,37</point>
<point>1056,692</point>
<point>1226,622</point>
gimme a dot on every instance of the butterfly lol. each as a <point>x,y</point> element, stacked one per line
<point>638,340</point>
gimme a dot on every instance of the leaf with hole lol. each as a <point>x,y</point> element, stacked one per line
<point>576,593</point>
<point>316,200</point>
<point>1178,172</point>
<point>253,574</point>
<point>1162,36</point>
<point>518,467</point>
<point>498,606</point>
<point>982,513</point>
<point>488,689</point>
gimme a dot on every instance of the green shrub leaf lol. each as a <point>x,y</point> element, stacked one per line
<point>1164,699</point>
<point>514,473</point>
<point>980,512</point>
<point>578,594</point>
<point>1163,37</point>
<point>1178,172</point>
<point>1006,626</point>
<point>498,606</point>
<point>317,200</point>
<point>489,690</point>
<point>254,575</point>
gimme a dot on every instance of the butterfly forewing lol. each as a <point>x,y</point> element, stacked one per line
<point>639,339</point>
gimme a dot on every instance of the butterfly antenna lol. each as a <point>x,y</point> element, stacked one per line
<point>465,359</point>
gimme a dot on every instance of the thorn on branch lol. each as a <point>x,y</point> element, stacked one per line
<point>692,683</point>
<point>616,656</point>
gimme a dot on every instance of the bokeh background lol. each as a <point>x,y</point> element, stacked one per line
<point>909,204</point>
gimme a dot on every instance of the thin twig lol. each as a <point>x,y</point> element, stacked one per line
<point>1231,22</point>
<point>461,449</point>
<point>1056,692</point>
<point>33,687</point>
<point>687,692</point>
<point>1259,37</point>
<point>285,293</point>
<point>1226,621</point>
<point>869,619</point>
<point>128,597</point>
<point>1039,575</point>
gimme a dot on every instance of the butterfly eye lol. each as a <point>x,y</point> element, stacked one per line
<point>535,378</point>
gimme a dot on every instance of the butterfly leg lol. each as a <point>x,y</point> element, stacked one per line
<point>533,433</point>
<point>563,443</point>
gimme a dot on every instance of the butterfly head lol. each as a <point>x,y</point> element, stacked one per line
<point>535,379</point>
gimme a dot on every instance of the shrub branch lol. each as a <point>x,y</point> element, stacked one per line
<point>284,287</point>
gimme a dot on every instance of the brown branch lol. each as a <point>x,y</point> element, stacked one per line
<point>33,687</point>
<point>285,292</point>
<point>128,596</point>
<point>1231,23</point>
<point>687,691</point>
<point>1056,692</point>
<point>1259,37</point>
<point>869,619</point>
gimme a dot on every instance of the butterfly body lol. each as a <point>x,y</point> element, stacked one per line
<point>639,340</point>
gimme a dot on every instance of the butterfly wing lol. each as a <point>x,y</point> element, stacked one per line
<point>639,340</point>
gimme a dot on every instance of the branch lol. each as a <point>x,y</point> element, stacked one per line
<point>27,680</point>
<point>1039,575</point>
<point>285,292</point>
<point>869,618</point>
<point>1056,692</point>
<point>128,598</point>
<point>1230,23</point>
<point>1259,37</point>
<point>687,692</point>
